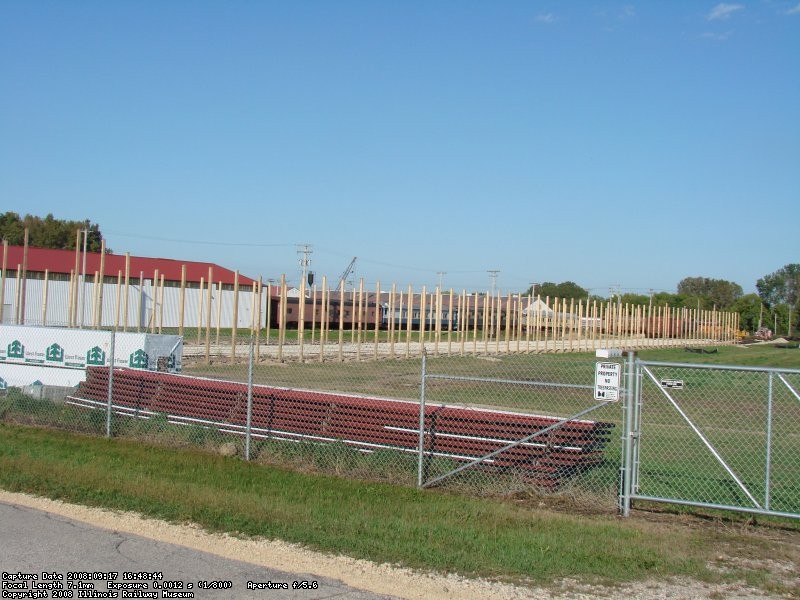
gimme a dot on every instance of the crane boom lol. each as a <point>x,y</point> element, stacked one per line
<point>346,273</point>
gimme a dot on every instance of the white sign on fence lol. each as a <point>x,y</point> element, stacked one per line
<point>606,381</point>
<point>56,356</point>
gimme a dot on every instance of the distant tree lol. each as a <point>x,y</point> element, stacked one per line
<point>781,292</point>
<point>564,290</point>
<point>781,287</point>
<point>750,311</point>
<point>12,228</point>
<point>664,298</point>
<point>635,299</point>
<point>49,232</point>
<point>720,292</point>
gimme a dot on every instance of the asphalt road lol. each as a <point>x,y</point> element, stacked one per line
<point>33,542</point>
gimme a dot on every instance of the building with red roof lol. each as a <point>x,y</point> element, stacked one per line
<point>62,262</point>
<point>65,288</point>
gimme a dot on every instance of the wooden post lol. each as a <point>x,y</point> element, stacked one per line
<point>569,321</point>
<point>209,290</point>
<point>3,279</point>
<point>485,322</point>
<point>282,320</point>
<point>313,311</point>
<point>182,301</point>
<point>409,318</point>
<point>161,305</point>
<point>476,296</point>
<point>518,319</point>
<point>392,318</point>
<point>377,315</point>
<point>353,317</point>
<point>509,312</point>
<point>102,283</point>
<point>200,310</point>
<point>96,290</point>
<point>24,288</point>
<point>323,317</point>
<point>269,310</point>
<point>74,314</point>
<point>155,302</point>
<point>70,300</point>
<point>341,319</point>
<point>257,315</point>
<point>95,295</point>
<point>301,320</point>
<point>450,323</point>
<point>235,323</point>
<point>118,299</point>
<point>463,320</point>
<point>423,307</point>
<point>437,330</point>
<point>549,324</point>
<point>140,308</point>
<point>359,317</point>
<point>219,310</point>
<point>127,290</point>
<point>44,298</point>
<point>17,293</point>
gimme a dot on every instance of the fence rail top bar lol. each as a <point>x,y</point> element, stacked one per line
<point>653,363</point>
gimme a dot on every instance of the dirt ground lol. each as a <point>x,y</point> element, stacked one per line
<point>405,583</point>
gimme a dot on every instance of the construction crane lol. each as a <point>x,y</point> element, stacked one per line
<point>346,273</point>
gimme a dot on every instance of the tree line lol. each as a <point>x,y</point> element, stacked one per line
<point>49,232</point>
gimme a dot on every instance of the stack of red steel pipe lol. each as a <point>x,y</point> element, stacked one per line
<point>367,423</point>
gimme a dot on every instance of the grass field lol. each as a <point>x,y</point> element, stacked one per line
<point>517,539</point>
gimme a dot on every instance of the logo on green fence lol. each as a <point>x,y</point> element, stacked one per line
<point>138,360</point>
<point>3,384</point>
<point>96,356</point>
<point>54,353</point>
<point>16,350</point>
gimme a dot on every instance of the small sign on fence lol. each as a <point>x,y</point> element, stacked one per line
<point>672,384</point>
<point>606,381</point>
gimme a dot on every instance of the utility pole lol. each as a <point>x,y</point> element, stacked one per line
<point>441,274</point>
<point>493,276</point>
<point>305,261</point>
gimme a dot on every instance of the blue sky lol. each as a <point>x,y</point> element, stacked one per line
<point>625,144</point>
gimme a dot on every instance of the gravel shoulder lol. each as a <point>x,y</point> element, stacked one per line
<point>383,578</point>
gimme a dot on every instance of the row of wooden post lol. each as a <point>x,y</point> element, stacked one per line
<point>497,321</point>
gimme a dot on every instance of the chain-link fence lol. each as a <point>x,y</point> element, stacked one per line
<point>485,424</point>
<point>520,424</point>
<point>721,437</point>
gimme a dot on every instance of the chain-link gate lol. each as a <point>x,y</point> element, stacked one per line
<point>533,425</point>
<point>722,437</point>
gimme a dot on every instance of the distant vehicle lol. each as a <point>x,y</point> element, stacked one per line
<point>763,333</point>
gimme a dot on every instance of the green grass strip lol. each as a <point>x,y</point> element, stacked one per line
<point>380,522</point>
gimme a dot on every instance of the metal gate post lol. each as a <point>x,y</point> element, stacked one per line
<point>422,419</point>
<point>636,426</point>
<point>768,458</point>
<point>627,437</point>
